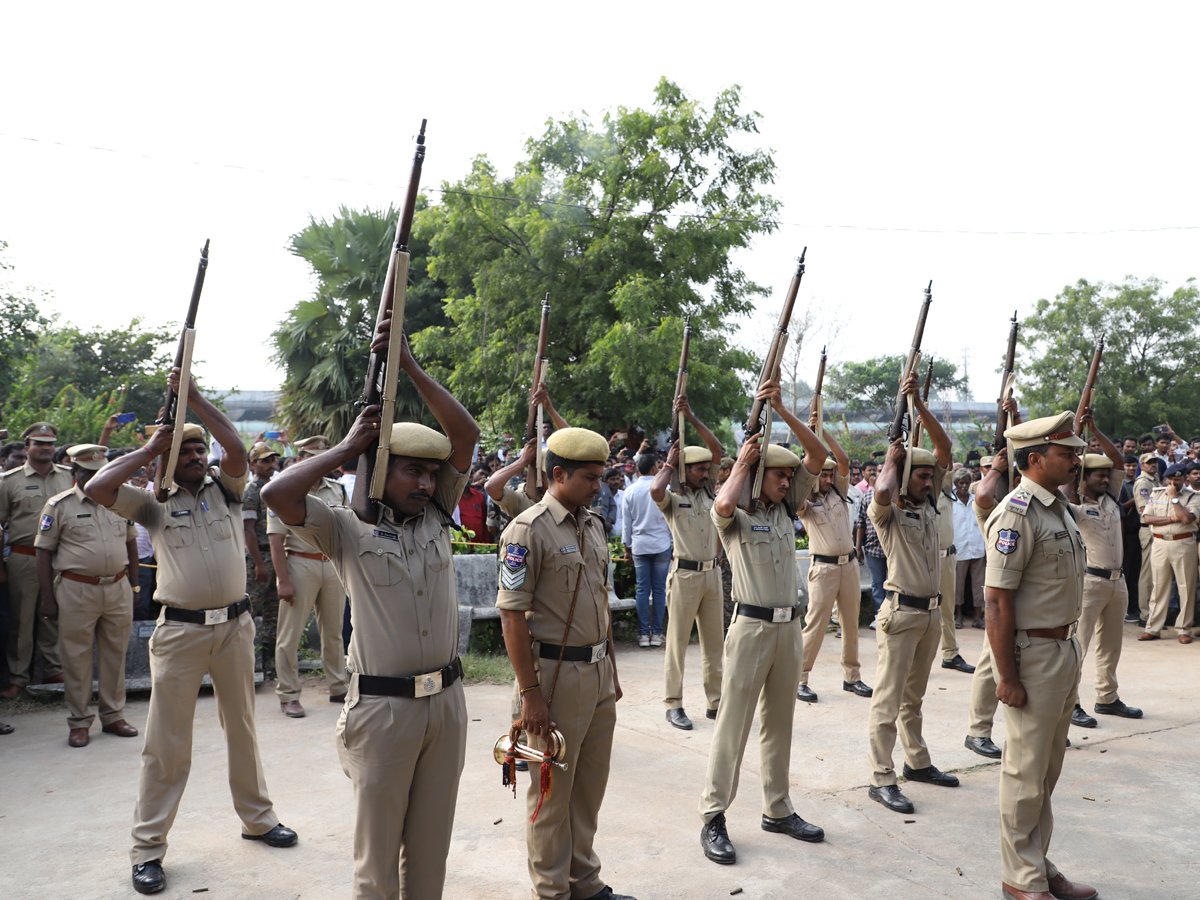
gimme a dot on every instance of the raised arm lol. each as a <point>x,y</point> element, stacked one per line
<point>747,459</point>
<point>815,453</point>
<point>937,434</point>
<point>658,487</point>
<point>235,462</point>
<point>542,396</point>
<point>839,455</point>
<point>494,486</point>
<point>706,435</point>
<point>103,486</point>
<point>1107,447</point>
<point>888,482</point>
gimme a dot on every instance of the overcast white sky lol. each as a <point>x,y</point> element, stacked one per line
<point>1001,150</point>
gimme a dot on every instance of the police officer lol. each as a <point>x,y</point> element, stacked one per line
<point>260,569</point>
<point>85,555</point>
<point>307,581</point>
<point>1034,590</point>
<point>948,575</point>
<point>23,493</point>
<point>1146,482</point>
<point>1105,598</point>
<point>909,623</point>
<point>764,649</point>
<point>833,574</point>
<point>403,729</point>
<point>694,579</point>
<point>1172,512</point>
<point>204,626</point>
<point>553,602</point>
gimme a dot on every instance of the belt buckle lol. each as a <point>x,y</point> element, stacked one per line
<point>216,616</point>
<point>933,603</point>
<point>781,614</point>
<point>599,651</point>
<point>1115,576</point>
<point>427,685</point>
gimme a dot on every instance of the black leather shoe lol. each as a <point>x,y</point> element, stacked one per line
<point>1081,719</point>
<point>148,877</point>
<point>710,714</point>
<point>889,795</point>
<point>607,894</point>
<point>1132,620</point>
<point>1117,708</point>
<point>983,746</point>
<point>805,693</point>
<point>958,664</point>
<point>679,719</point>
<point>279,836</point>
<point>857,687</point>
<point>930,775</point>
<point>715,841</point>
<point>794,826</point>
<point>522,766</point>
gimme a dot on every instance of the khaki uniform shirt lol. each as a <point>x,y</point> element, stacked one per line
<point>910,540</point>
<point>199,541</point>
<point>1035,550</point>
<point>1142,486</point>
<point>1160,505</point>
<point>514,502</point>
<point>689,516</point>
<point>543,552</point>
<point>1100,522</point>
<point>826,518</point>
<point>400,578</point>
<point>762,547</point>
<point>328,491</point>
<point>85,537</point>
<point>945,508</point>
<point>23,493</point>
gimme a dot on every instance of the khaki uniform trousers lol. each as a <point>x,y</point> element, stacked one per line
<point>829,584</point>
<point>762,668</point>
<point>25,618</point>
<point>1104,606</point>
<point>1177,559</point>
<point>404,756</point>
<point>562,860</point>
<point>1035,743</point>
<point>1146,575</point>
<point>317,587</point>
<point>693,596</point>
<point>982,711</point>
<point>180,654</point>
<point>948,573</point>
<point>908,642</point>
<point>101,614</point>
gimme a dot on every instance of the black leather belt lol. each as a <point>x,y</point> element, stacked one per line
<point>948,551</point>
<point>776,614</point>
<point>917,602</point>
<point>592,653</point>
<point>216,616</point>
<point>693,566</point>
<point>834,560</point>
<point>1142,525</point>
<point>412,686</point>
<point>1106,574</point>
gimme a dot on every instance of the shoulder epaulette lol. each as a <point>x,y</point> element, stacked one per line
<point>53,501</point>
<point>66,469</point>
<point>528,515</point>
<point>1017,501</point>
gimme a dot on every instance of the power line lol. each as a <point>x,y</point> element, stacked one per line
<point>596,208</point>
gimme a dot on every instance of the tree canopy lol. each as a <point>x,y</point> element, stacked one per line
<point>869,387</point>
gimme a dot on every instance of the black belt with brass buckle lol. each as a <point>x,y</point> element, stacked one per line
<point>775,614</point>
<point>591,653</point>
<point>917,602</point>
<point>834,560</point>
<point>217,616</point>
<point>1106,574</point>
<point>693,566</point>
<point>413,686</point>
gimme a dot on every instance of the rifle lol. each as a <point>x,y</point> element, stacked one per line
<point>917,428</point>
<point>536,474</point>
<point>175,405</point>
<point>901,426</point>
<point>760,418</point>
<point>1085,399</point>
<point>1006,387</point>
<point>818,402</point>
<point>677,420</point>
<point>383,370</point>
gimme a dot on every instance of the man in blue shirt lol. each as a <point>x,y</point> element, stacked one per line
<point>647,540</point>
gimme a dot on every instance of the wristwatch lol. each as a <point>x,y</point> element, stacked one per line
<point>1175,500</point>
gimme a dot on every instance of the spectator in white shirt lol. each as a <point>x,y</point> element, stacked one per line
<point>972,551</point>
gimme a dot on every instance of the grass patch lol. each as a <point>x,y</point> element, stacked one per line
<point>486,668</point>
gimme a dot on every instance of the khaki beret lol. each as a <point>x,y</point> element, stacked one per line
<point>318,443</point>
<point>192,432</point>
<point>923,457</point>
<point>261,450</point>
<point>40,431</point>
<point>780,457</point>
<point>88,456</point>
<point>693,455</point>
<point>986,461</point>
<point>1096,461</point>
<point>1058,429</point>
<point>578,445</point>
<point>830,463</point>
<point>414,439</point>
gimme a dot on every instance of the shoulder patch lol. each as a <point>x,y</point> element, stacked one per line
<point>514,570</point>
<point>1006,540</point>
<point>46,522</point>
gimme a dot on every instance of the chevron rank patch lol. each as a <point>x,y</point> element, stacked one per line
<point>513,568</point>
<point>1006,540</point>
<point>46,522</point>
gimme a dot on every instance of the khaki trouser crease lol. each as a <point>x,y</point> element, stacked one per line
<point>317,587</point>
<point>100,614</point>
<point>693,596</point>
<point>829,585</point>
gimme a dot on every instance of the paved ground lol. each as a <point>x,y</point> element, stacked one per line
<point>1126,806</point>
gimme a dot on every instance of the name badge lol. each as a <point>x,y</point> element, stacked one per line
<point>181,512</point>
<point>426,685</point>
<point>816,503</point>
<point>685,506</point>
<point>569,548</point>
<point>216,616</point>
<point>760,528</point>
<point>31,487</point>
<point>83,516</point>
<point>388,535</point>
<point>912,515</point>
<point>599,651</point>
<point>1060,534</point>
<point>1092,512</point>
<point>781,614</point>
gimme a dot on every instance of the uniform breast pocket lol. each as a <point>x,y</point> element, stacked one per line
<point>566,570</point>
<point>437,555</point>
<point>218,525</point>
<point>1061,554</point>
<point>380,566</point>
<point>912,531</point>
<point>81,530</point>
<point>180,532</point>
<point>758,548</point>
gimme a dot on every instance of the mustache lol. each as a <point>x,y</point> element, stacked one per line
<point>419,495</point>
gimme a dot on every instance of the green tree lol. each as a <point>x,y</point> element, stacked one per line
<point>629,224</point>
<point>1150,373</point>
<point>322,342</point>
<point>20,323</point>
<point>869,387</point>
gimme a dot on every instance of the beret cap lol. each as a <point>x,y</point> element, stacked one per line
<point>192,432</point>
<point>693,455</point>
<point>778,457</point>
<point>420,441</point>
<point>578,445</point>
<point>923,457</point>
<point>1176,469</point>
<point>1096,461</point>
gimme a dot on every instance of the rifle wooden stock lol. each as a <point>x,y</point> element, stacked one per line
<point>678,420</point>
<point>901,427</point>
<point>757,421</point>
<point>818,402</point>
<point>535,473</point>
<point>383,369</point>
<point>1006,386</point>
<point>1089,389</point>
<point>175,405</point>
